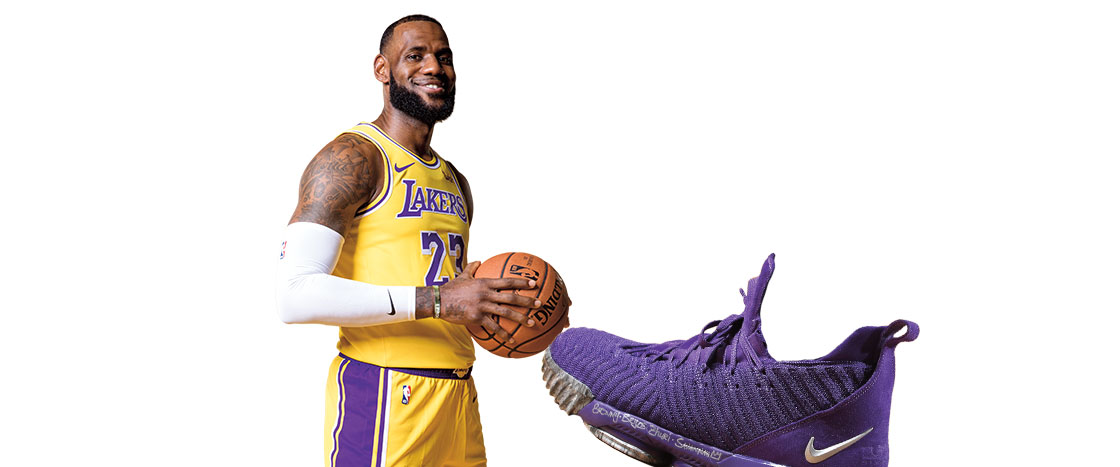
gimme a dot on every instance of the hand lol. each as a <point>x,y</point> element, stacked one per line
<point>466,300</point>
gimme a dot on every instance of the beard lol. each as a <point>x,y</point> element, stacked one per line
<point>413,105</point>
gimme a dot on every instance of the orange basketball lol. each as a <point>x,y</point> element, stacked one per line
<point>550,318</point>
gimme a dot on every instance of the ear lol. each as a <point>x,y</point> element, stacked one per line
<point>381,69</point>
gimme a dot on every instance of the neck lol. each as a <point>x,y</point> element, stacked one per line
<point>409,132</point>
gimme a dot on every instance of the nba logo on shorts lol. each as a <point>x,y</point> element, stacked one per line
<point>407,391</point>
<point>283,247</point>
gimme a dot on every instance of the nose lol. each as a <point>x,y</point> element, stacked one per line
<point>431,65</point>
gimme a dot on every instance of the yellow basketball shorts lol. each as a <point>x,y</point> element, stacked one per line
<point>401,417</point>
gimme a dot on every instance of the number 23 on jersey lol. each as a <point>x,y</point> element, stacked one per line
<point>440,248</point>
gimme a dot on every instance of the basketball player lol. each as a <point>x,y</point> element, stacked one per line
<point>377,246</point>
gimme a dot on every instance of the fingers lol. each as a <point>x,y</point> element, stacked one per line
<point>510,314</point>
<point>500,334</point>
<point>510,283</point>
<point>513,299</point>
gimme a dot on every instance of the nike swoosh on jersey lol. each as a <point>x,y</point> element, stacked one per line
<point>815,456</point>
<point>393,308</point>
<point>401,169</point>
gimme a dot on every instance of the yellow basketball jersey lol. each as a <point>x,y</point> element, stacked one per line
<point>414,232</point>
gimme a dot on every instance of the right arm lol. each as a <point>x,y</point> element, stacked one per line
<point>337,181</point>
<point>343,176</point>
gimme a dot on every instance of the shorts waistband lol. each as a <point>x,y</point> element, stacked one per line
<point>440,373</point>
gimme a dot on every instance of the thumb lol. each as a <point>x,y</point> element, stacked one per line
<point>471,268</point>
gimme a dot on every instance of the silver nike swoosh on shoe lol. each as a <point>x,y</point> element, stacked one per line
<point>815,456</point>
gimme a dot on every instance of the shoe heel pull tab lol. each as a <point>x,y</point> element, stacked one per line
<point>911,332</point>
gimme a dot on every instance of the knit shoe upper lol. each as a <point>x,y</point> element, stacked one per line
<point>720,387</point>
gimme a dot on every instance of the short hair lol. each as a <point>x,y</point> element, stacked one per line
<point>407,19</point>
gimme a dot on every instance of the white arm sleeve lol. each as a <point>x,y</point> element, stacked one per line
<point>306,292</point>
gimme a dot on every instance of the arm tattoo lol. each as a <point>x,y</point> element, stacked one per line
<point>425,302</point>
<point>335,184</point>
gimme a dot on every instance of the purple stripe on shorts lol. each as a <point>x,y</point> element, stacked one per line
<point>356,433</point>
<point>381,422</point>
<point>338,421</point>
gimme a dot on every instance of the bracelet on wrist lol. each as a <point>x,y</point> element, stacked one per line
<point>435,302</point>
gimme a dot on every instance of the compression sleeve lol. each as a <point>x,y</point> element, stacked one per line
<point>306,292</point>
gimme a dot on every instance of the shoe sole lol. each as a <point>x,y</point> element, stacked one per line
<point>632,435</point>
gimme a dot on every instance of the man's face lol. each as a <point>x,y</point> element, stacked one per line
<point>421,74</point>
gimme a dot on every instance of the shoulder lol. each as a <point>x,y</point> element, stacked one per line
<point>351,154</point>
<point>354,144</point>
<point>449,164</point>
<point>349,159</point>
<point>462,179</point>
<point>454,169</point>
<point>464,187</point>
<point>342,176</point>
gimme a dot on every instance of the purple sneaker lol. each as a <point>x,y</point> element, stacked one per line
<point>720,399</point>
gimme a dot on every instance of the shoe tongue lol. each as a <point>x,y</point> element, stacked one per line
<point>752,298</point>
<point>756,289</point>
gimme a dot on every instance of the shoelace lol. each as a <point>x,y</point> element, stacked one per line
<point>704,345</point>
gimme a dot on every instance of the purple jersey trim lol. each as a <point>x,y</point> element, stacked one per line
<point>433,165</point>
<point>376,202</point>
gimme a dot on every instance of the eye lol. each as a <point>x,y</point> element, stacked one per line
<point>446,59</point>
<point>413,57</point>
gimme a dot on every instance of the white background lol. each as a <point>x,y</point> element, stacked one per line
<point>947,162</point>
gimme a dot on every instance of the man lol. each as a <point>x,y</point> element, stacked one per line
<point>389,217</point>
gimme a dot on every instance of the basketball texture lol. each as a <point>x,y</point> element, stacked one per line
<point>550,317</point>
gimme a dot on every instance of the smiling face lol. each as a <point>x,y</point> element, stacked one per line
<point>417,66</point>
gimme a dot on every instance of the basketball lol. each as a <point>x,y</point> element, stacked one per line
<point>550,318</point>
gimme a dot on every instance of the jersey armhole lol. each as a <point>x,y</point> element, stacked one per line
<point>458,186</point>
<point>376,201</point>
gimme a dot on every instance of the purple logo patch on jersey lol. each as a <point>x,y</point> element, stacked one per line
<point>406,390</point>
